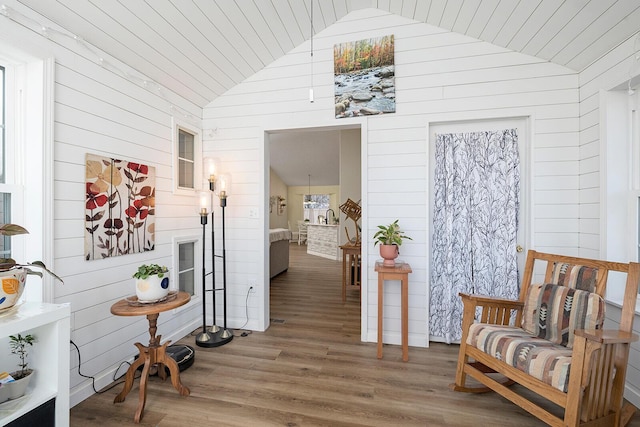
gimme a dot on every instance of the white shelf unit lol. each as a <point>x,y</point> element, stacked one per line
<point>49,357</point>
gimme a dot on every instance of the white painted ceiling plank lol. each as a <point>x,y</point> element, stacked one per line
<point>422,10</point>
<point>450,14</point>
<point>82,18</point>
<point>179,32</point>
<point>327,11</point>
<point>408,9</point>
<point>260,30</point>
<point>534,24</point>
<point>340,6</point>
<point>552,27</point>
<point>498,19</point>
<point>245,30</point>
<point>396,7</point>
<point>273,23</point>
<point>285,14</point>
<point>302,16</point>
<point>609,20</point>
<point>467,12</point>
<point>385,4</point>
<point>574,27</point>
<point>222,28</point>
<point>518,18</point>
<point>360,4</point>
<point>216,48</point>
<point>161,51</point>
<point>200,48</point>
<point>482,17</point>
<point>435,12</point>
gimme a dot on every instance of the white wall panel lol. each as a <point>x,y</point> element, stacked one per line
<point>440,76</point>
<point>98,110</point>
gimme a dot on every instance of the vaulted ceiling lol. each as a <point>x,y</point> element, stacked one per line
<point>202,48</point>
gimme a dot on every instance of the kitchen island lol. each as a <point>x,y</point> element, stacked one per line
<point>322,240</point>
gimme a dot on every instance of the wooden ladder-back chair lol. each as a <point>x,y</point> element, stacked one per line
<point>551,341</point>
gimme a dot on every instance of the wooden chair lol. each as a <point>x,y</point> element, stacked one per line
<point>573,363</point>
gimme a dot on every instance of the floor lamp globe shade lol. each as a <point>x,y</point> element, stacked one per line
<point>223,186</point>
<point>203,203</point>
<point>211,169</point>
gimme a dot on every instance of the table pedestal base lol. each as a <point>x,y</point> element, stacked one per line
<point>152,355</point>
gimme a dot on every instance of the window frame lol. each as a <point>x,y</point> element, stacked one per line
<point>178,125</point>
<point>196,298</point>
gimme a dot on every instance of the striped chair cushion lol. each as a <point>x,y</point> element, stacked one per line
<point>553,312</point>
<point>574,276</point>
<point>537,357</point>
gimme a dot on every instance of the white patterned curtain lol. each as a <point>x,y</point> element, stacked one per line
<point>475,223</point>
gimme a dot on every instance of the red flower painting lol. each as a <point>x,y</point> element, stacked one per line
<point>119,207</point>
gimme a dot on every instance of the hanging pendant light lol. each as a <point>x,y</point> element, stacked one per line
<point>307,197</point>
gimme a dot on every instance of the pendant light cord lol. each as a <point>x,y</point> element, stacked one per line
<point>311,98</point>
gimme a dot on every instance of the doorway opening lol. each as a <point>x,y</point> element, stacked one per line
<point>299,162</point>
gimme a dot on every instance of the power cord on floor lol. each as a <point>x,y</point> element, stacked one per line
<point>93,379</point>
<point>246,314</point>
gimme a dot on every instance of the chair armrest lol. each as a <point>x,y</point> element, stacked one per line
<point>497,311</point>
<point>607,336</point>
<point>482,300</point>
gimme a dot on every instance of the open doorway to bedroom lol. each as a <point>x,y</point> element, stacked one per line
<point>301,164</point>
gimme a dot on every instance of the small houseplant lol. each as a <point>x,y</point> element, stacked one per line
<point>18,344</point>
<point>390,238</point>
<point>152,282</point>
<point>13,275</point>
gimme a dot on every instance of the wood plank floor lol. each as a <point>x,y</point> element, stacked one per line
<point>309,369</point>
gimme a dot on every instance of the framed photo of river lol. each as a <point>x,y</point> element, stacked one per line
<point>364,77</point>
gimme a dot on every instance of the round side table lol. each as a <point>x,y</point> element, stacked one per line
<point>154,353</point>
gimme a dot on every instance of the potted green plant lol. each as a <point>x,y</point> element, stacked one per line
<point>13,275</point>
<point>152,282</point>
<point>389,237</point>
<point>21,378</point>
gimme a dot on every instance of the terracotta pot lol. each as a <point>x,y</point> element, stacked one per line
<point>389,253</point>
<point>152,288</point>
<point>11,287</point>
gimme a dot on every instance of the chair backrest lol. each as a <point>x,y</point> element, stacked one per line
<point>577,275</point>
<point>553,312</point>
<point>302,226</point>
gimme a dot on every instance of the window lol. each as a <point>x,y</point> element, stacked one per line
<point>315,207</point>
<point>187,159</point>
<point>187,266</point>
<point>26,159</point>
<point>6,188</point>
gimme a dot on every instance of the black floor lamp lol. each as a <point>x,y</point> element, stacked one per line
<point>215,336</point>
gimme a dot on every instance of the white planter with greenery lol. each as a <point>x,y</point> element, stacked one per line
<point>152,282</point>
<point>13,275</point>
<point>18,344</point>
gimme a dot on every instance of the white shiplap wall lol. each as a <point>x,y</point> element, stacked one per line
<point>440,76</point>
<point>610,73</point>
<point>97,109</point>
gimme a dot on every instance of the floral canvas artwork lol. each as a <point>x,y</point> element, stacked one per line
<point>119,207</point>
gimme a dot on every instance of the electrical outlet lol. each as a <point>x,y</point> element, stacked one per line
<point>253,212</point>
<point>252,290</point>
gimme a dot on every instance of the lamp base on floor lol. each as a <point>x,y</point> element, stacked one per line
<point>214,339</point>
